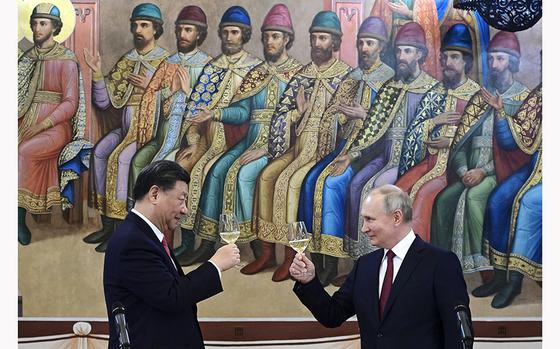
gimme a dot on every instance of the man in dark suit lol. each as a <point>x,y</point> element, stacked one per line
<point>141,272</point>
<point>403,294</point>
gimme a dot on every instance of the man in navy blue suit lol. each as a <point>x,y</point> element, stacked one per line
<point>143,274</point>
<point>403,294</point>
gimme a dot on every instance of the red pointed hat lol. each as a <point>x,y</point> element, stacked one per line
<point>505,42</point>
<point>192,15</point>
<point>411,34</point>
<point>278,18</point>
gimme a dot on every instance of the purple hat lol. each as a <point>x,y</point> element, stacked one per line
<point>373,27</point>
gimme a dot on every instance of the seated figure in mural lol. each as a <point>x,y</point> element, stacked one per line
<point>373,157</point>
<point>294,142</point>
<point>203,143</point>
<point>230,182</point>
<point>165,99</point>
<point>474,165</point>
<point>425,151</point>
<point>513,226</point>
<point>448,16</point>
<point>51,121</point>
<point>353,98</point>
<point>122,89</point>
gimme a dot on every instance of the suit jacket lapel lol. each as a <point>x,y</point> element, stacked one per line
<point>179,269</point>
<point>377,257</point>
<point>413,256</point>
<point>145,228</point>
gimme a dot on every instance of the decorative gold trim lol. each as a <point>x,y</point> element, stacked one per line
<point>38,204</point>
<point>48,97</point>
<point>328,245</point>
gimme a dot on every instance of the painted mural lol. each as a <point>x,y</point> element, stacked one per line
<point>284,112</point>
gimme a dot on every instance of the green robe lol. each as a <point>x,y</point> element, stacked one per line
<point>458,215</point>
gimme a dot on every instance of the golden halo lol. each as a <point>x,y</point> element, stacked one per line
<point>67,15</point>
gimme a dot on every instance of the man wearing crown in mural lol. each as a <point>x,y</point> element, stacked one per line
<point>230,183</point>
<point>51,121</point>
<point>352,100</point>
<point>477,162</point>
<point>122,89</point>
<point>205,141</point>
<point>425,151</point>
<point>164,101</point>
<point>293,142</point>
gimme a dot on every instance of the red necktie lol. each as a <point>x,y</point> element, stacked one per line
<point>166,247</point>
<point>387,282</point>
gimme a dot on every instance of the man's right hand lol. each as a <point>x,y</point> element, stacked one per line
<point>181,80</point>
<point>93,62</point>
<point>185,153</point>
<point>302,269</point>
<point>302,103</point>
<point>226,257</point>
<point>340,165</point>
<point>447,118</point>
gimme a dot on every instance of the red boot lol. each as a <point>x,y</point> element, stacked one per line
<point>266,260</point>
<point>283,271</point>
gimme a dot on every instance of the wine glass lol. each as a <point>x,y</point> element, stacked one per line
<point>298,238</point>
<point>229,228</point>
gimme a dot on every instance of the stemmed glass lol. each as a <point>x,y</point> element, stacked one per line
<point>229,228</point>
<point>298,238</point>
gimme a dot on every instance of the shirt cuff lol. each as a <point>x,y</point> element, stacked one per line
<point>218,269</point>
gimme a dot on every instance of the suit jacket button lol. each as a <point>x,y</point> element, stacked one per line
<point>379,335</point>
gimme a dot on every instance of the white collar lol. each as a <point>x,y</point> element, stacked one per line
<point>155,229</point>
<point>402,247</point>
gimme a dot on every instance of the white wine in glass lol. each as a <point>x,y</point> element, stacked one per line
<point>229,228</point>
<point>297,236</point>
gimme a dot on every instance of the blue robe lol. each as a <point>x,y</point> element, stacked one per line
<point>229,186</point>
<point>513,222</point>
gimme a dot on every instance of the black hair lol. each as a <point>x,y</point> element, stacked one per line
<point>245,32</point>
<point>202,33</point>
<point>468,59</point>
<point>158,27</point>
<point>337,41</point>
<point>291,38</point>
<point>164,173</point>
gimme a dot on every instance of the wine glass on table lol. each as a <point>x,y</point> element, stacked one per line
<point>229,228</point>
<point>298,238</point>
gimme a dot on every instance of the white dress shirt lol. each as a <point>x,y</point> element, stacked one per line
<point>400,251</point>
<point>160,237</point>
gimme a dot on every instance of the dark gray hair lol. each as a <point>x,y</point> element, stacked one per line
<point>394,198</point>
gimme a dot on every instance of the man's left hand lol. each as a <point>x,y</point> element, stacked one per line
<point>139,80</point>
<point>353,111</point>
<point>251,155</point>
<point>473,177</point>
<point>400,8</point>
<point>202,115</point>
<point>30,132</point>
<point>494,101</point>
